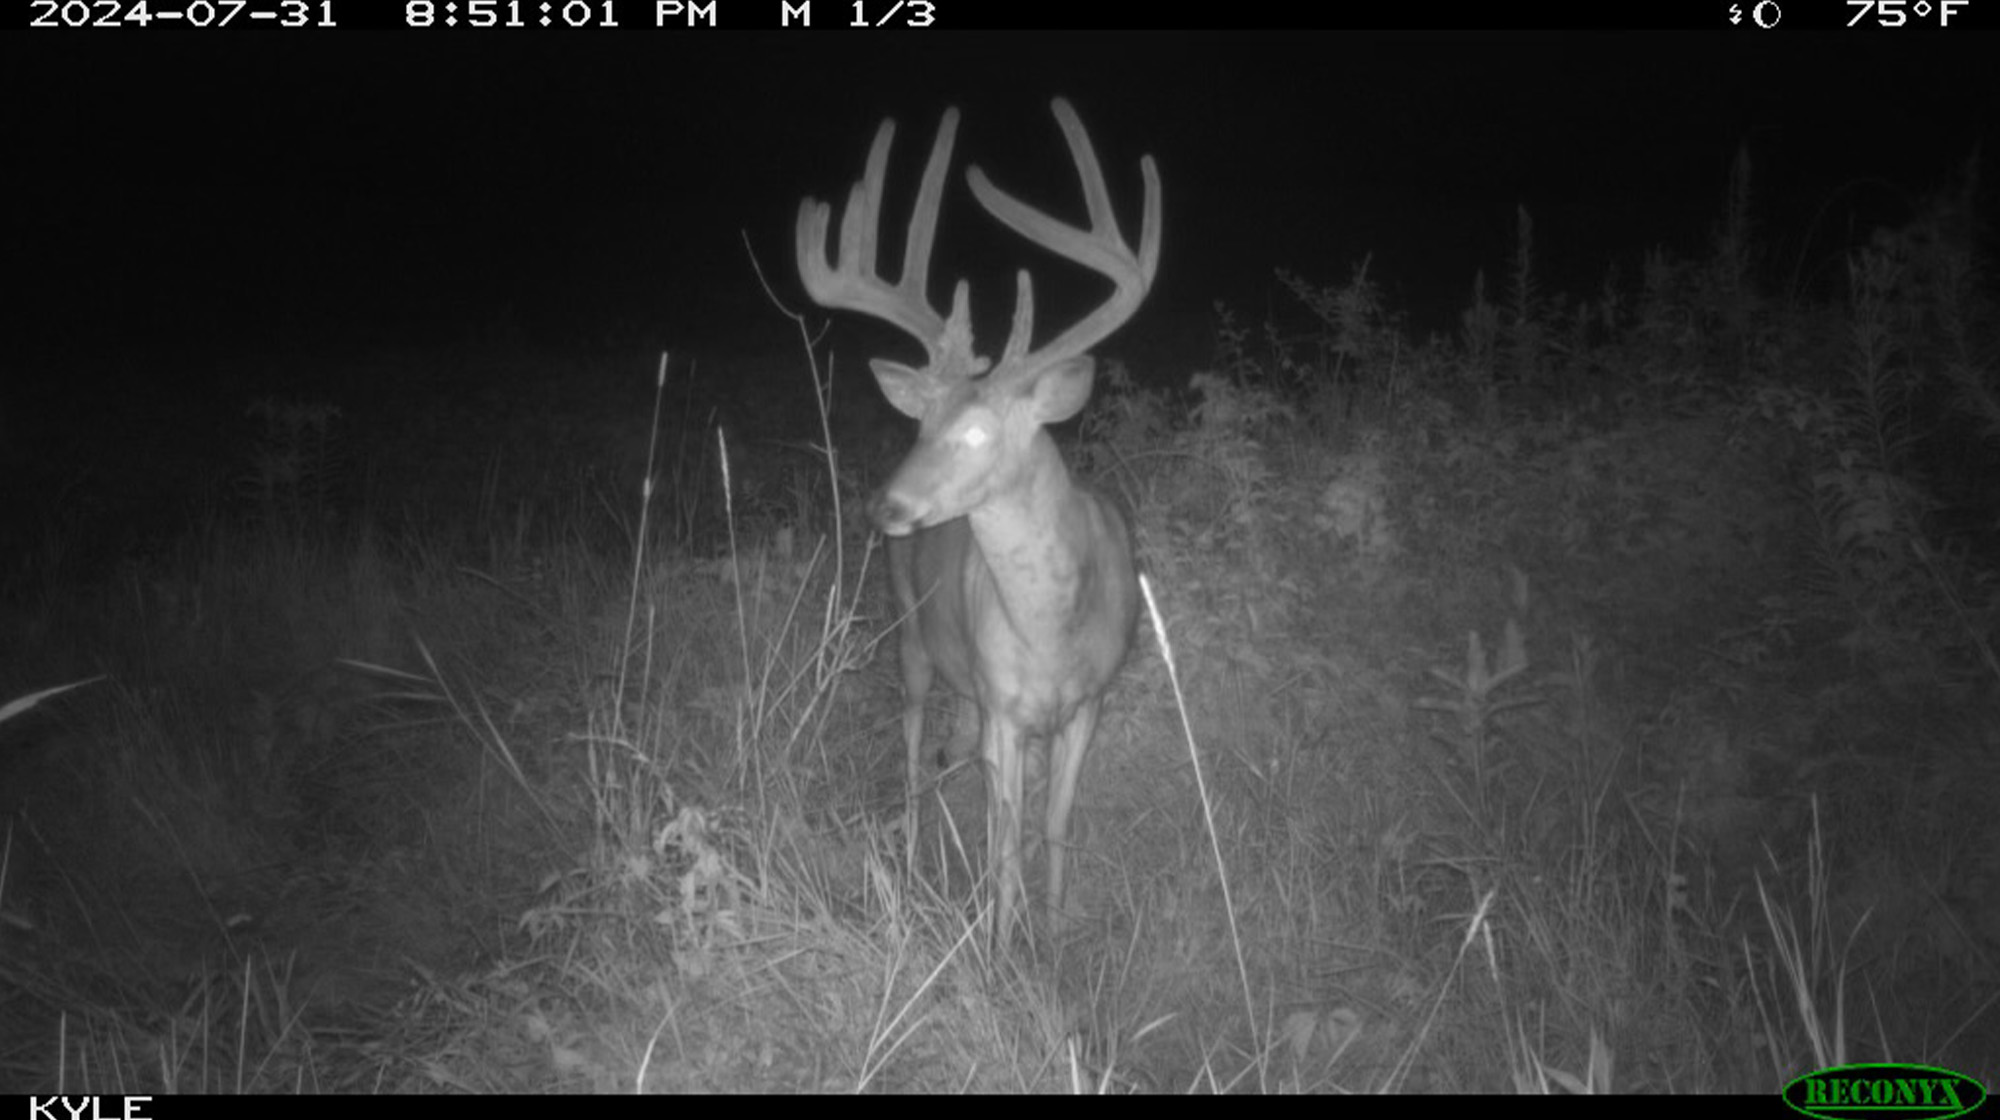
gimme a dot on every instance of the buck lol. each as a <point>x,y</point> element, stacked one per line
<point>1015,581</point>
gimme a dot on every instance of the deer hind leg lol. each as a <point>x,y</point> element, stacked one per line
<point>1066,750</point>
<point>917,673</point>
<point>964,742</point>
<point>1034,798</point>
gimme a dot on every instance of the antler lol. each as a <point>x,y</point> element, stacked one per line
<point>1102,248</point>
<point>855,283</point>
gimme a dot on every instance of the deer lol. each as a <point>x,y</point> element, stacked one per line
<point>1015,580</point>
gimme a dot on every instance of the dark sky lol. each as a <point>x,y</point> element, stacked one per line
<point>381,189</point>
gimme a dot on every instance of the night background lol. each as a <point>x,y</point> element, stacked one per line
<point>389,189</point>
<point>327,392</point>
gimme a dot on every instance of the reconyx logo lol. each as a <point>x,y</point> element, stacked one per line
<point>1868,1089</point>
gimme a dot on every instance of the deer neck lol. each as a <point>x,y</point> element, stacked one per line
<point>1039,542</point>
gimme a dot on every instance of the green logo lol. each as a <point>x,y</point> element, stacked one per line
<point>1867,1090</point>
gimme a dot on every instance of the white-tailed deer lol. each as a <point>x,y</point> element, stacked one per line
<point>1016,582</point>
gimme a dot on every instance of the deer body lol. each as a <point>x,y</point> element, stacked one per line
<point>1032,634</point>
<point>1015,582</point>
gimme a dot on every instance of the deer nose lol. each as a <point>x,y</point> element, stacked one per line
<point>893,516</point>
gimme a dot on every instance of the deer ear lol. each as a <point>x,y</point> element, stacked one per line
<point>1061,390</point>
<point>910,390</point>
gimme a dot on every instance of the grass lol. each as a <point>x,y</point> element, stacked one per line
<point>1610,731</point>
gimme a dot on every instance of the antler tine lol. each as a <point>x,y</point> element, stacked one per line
<point>1102,248</point>
<point>855,282</point>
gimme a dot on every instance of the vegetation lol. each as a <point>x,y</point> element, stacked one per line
<point>1599,697</point>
